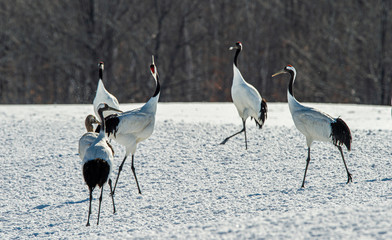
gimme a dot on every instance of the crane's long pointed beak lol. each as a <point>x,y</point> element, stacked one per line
<point>232,48</point>
<point>152,57</point>
<point>114,109</point>
<point>278,73</point>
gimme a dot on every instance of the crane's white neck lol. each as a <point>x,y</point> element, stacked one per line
<point>151,105</point>
<point>294,105</point>
<point>237,76</point>
<point>101,87</point>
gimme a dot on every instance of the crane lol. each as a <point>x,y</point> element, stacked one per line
<point>246,98</point>
<point>316,125</point>
<point>131,127</point>
<point>97,163</point>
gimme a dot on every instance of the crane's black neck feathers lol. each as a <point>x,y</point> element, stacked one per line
<point>236,56</point>
<point>100,113</point>
<point>290,87</point>
<point>341,133</point>
<point>96,172</point>
<point>158,88</point>
<point>100,73</point>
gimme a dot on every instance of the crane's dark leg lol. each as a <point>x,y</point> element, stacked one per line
<point>349,178</point>
<point>306,169</point>
<point>227,139</point>
<point>89,209</point>
<point>246,142</point>
<point>118,174</point>
<point>99,207</point>
<point>134,174</point>
<point>111,193</point>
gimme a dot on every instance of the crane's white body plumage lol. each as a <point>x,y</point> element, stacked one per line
<point>315,125</point>
<point>104,96</point>
<point>136,125</point>
<point>99,149</point>
<point>246,98</point>
<point>85,142</point>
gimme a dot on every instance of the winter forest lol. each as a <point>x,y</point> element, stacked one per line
<point>50,50</point>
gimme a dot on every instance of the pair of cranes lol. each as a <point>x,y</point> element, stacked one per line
<point>129,128</point>
<point>315,125</point>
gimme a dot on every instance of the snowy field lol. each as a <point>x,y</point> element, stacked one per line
<point>194,188</point>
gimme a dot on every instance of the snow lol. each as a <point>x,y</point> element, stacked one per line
<point>192,187</point>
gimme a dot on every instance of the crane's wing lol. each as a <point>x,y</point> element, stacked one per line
<point>134,122</point>
<point>85,142</point>
<point>313,123</point>
<point>245,96</point>
<point>99,150</point>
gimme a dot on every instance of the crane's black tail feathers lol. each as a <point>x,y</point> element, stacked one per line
<point>341,133</point>
<point>263,113</point>
<point>96,172</point>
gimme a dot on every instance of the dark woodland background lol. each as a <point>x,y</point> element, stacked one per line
<point>49,50</point>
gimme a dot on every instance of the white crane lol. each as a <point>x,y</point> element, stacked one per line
<point>246,98</point>
<point>316,125</point>
<point>103,96</point>
<point>97,163</point>
<point>132,127</point>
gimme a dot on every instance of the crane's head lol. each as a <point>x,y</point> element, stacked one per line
<point>153,67</point>
<point>238,45</point>
<point>286,69</point>
<point>91,119</point>
<point>100,65</point>
<point>104,107</point>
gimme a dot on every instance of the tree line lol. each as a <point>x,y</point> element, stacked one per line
<point>50,50</point>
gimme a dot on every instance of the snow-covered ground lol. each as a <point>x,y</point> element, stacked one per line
<point>192,186</point>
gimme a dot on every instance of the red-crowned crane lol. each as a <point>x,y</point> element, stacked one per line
<point>246,98</point>
<point>97,163</point>
<point>130,128</point>
<point>316,125</point>
<point>103,96</point>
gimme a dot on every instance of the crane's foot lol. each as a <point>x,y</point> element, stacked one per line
<point>349,178</point>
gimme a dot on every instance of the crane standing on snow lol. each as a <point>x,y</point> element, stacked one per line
<point>316,125</point>
<point>97,163</point>
<point>246,98</point>
<point>132,127</point>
